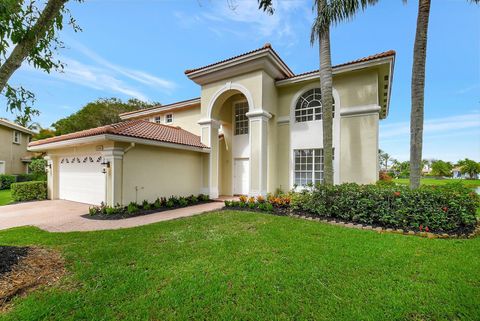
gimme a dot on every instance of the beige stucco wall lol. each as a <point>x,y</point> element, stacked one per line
<point>11,153</point>
<point>359,147</point>
<point>158,171</point>
<point>186,118</point>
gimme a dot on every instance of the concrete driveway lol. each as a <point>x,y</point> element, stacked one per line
<point>66,216</point>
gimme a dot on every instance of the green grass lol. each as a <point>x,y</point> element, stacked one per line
<point>246,266</point>
<point>5,197</point>
<point>433,181</point>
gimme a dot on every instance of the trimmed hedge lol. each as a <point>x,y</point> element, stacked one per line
<point>6,181</point>
<point>28,191</point>
<point>450,208</point>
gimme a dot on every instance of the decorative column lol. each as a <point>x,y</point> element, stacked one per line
<point>52,176</point>
<point>210,161</point>
<point>113,165</point>
<point>258,121</point>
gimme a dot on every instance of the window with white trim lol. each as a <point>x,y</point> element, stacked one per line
<point>241,119</point>
<point>169,118</point>
<point>16,137</point>
<point>309,106</point>
<point>158,119</point>
<point>308,166</point>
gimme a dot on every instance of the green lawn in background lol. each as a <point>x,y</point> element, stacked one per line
<point>433,181</point>
<point>5,197</point>
<point>234,265</point>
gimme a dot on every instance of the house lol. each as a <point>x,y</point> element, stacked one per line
<point>14,139</point>
<point>256,128</point>
<point>457,173</point>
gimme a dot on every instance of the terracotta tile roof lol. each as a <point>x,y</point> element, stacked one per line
<point>267,46</point>
<point>364,59</point>
<point>137,129</point>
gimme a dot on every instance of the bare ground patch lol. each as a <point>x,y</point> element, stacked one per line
<point>39,267</point>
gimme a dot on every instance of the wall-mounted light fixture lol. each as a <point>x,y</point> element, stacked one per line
<point>48,167</point>
<point>106,165</point>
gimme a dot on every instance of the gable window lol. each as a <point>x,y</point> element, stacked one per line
<point>309,106</point>
<point>158,120</point>
<point>169,118</point>
<point>308,167</point>
<point>16,137</point>
<point>241,119</point>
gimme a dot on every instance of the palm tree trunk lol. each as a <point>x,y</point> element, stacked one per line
<point>418,88</point>
<point>327,99</point>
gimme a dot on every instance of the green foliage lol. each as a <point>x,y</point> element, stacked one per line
<point>27,191</point>
<point>401,169</point>
<point>43,133</point>
<point>37,165</point>
<point>449,208</point>
<point>132,208</point>
<point>470,167</point>
<point>203,198</point>
<point>6,181</point>
<point>97,113</point>
<point>441,168</point>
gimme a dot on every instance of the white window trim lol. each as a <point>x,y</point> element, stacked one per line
<point>159,119</point>
<point>19,137</point>
<point>166,118</point>
<point>234,103</point>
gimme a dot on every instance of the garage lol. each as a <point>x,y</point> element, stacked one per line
<point>81,179</point>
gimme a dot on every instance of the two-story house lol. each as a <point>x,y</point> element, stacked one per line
<point>14,139</point>
<point>256,128</point>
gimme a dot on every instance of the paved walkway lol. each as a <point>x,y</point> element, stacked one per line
<point>66,216</point>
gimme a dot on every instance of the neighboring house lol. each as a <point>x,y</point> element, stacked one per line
<point>256,128</point>
<point>457,173</point>
<point>14,139</point>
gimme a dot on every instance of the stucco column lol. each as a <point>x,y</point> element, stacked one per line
<point>113,159</point>
<point>258,123</point>
<point>210,138</point>
<point>52,176</point>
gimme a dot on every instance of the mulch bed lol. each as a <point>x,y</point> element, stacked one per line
<point>139,213</point>
<point>34,267</point>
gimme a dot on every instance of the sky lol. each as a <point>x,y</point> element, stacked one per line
<point>141,48</point>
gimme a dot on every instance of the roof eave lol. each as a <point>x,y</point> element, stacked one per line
<point>160,109</point>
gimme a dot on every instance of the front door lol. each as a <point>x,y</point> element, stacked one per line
<point>241,172</point>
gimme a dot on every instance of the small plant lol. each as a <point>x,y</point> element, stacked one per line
<point>268,207</point>
<point>132,208</point>
<point>146,205</point>
<point>109,210</point>
<point>251,200</point>
<point>228,203</point>
<point>192,199</point>
<point>170,203</point>
<point>203,198</point>
<point>157,203</point>
<point>93,210</point>
<point>260,199</point>
<point>252,205</point>
<point>173,200</point>
<point>243,199</point>
<point>182,201</point>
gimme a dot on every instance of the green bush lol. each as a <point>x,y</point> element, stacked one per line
<point>27,191</point>
<point>132,208</point>
<point>6,181</point>
<point>449,208</point>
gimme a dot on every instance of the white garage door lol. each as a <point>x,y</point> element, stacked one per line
<point>81,179</point>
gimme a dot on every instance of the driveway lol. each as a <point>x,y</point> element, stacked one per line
<point>66,216</point>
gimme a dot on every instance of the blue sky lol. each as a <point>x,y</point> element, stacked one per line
<point>141,48</point>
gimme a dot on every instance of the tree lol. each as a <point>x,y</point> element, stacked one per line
<point>441,168</point>
<point>98,113</point>
<point>29,33</point>
<point>329,12</point>
<point>401,169</point>
<point>43,133</point>
<point>470,167</point>
<point>383,159</point>
<point>418,89</point>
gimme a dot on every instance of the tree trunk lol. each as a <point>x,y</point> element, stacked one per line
<point>327,99</point>
<point>418,88</point>
<point>27,44</point>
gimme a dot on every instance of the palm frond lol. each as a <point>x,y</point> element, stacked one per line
<point>267,6</point>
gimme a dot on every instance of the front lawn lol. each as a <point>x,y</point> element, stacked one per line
<point>5,197</point>
<point>433,181</point>
<point>248,266</point>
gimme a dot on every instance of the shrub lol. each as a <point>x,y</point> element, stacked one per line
<point>27,191</point>
<point>157,203</point>
<point>243,199</point>
<point>260,199</point>
<point>110,210</point>
<point>182,201</point>
<point>450,208</point>
<point>37,165</point>
<point>94,210</point>
<point>132,208</point>
<point>6,181</point>
<point>384,176</point>
<point>192,199</point>
<point>203,198</point>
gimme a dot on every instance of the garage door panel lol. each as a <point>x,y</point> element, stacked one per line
<point>81,179</point>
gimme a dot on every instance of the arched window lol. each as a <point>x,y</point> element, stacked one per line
<point>309,106</point>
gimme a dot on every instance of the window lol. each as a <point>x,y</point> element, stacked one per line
<point>241,119</point>
<point>308,166</point>
<point>158,119</point>
<point>169,118</point>
<point>309,106</point>
<point>16,137</point>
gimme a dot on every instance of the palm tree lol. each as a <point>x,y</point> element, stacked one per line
<point>329,12</point>
<point>418,88</point>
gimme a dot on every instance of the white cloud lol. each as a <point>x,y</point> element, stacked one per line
<point>432,126</point>
<point>467,89</point>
